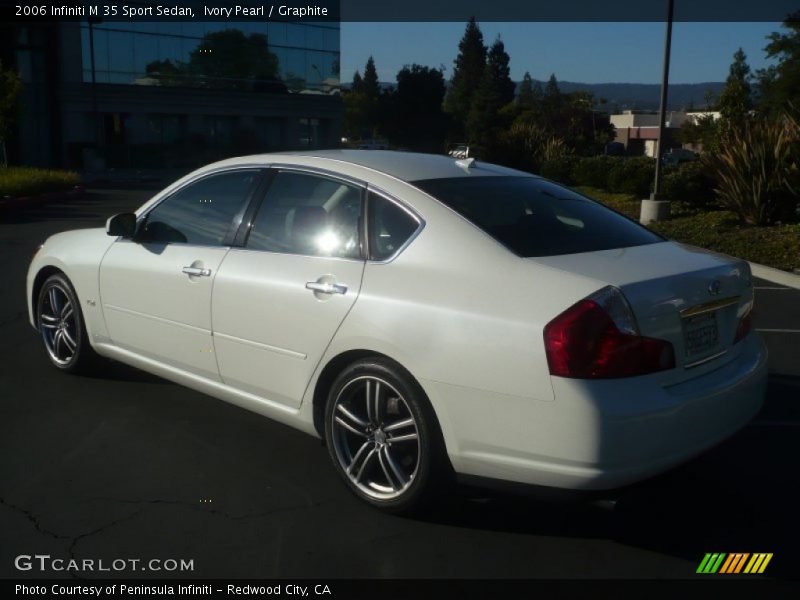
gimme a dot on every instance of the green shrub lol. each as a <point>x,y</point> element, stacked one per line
<point>632,176</point>
<point>776,246</point>
<point>627,204</point>
<point>559,169</point>
<point>593,171</point>
<point>691,183</point>
<point>28,181</point>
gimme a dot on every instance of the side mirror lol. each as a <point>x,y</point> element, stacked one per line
<point>123,224</point>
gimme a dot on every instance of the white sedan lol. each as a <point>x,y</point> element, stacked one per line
<point>424,315</point>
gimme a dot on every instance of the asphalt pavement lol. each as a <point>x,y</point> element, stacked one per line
<point>127,465</point>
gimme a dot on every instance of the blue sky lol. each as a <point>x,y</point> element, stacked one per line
<point>585,52</point>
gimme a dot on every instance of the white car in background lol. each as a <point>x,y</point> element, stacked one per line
<point>423,315</point>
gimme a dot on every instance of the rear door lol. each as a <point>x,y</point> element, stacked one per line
<point>156,288</point>
<point>279,299</point>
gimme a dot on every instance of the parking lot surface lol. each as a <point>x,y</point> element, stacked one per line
<point>128,465</point>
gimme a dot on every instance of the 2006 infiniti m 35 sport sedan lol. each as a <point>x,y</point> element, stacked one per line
<point>424,315</point>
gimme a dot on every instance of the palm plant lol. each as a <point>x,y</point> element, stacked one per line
<point>756,167</point>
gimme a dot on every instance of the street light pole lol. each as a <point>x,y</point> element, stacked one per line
<point>656,209</point>
<point>662,111</point>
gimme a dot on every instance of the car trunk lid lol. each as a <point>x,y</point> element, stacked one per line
<point>686,295</point>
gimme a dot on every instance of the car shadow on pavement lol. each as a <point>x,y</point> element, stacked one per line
<point>117,371</point>
<point>741,496</point>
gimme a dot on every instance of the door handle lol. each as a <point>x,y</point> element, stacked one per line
<point>326,288</point>
<point>197,271</point>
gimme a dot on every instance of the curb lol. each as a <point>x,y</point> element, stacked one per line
<point>31,201</point>
<point>775,275</point>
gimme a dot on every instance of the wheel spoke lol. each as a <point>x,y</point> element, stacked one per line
<point>376,403</point>
<point>364,464</point>
<point>403,438</point>
<point>385,470</point>
<point>49,318</point>
<point>368,396</point>
<point>393,466</point>
<point>68,341</point>
<point>357,420</point>
<point>358,455</point>
<point>399,424</point>
<point>66,312</point>
<point>53,300</point>
<point>349,427</point>
<point>57,341</point>
<point>48,324</point>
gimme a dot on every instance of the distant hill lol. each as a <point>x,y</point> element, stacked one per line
<point>645,95</point>
<point>622,96</point>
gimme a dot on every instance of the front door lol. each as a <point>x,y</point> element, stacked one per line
<point>156,288</point>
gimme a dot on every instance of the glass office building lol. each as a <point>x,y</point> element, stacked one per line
<point>172,95</point>
<point>273,56</point>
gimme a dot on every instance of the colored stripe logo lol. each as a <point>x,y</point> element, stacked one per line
<point>736,562</point>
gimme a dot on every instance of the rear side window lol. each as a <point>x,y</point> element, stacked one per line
<point>310,215</point>
<point>389,227</point>
<point>534,217</point>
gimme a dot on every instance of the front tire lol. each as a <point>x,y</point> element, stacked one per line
<point>61,325</point>
<point>383,437</point>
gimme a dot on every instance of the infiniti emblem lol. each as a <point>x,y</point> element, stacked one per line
<point>713,287</point>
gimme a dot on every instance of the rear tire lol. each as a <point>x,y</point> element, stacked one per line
<point>383,437</point>
<point>60,323</point>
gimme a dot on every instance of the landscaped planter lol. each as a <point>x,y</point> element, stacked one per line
<point>18,202</point>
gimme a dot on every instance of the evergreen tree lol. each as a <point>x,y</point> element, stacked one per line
<point>420,122</point>
<point>525,95</point>
<point>500,73</point>
<point>552,90</point>
<point>538,92</point>
<point>358,83</point>
<point>468,73</point>
<point>372,87</point>
<point>735,100</point>
<point>483,118</point>
<point>779,84</point>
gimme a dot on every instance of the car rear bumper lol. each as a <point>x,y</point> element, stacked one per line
<point>604,434</point>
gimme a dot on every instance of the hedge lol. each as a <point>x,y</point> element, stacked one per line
<point>27,181</point>
<point>687,182</point>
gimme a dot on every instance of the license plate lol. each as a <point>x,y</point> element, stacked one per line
<point>700,334</point>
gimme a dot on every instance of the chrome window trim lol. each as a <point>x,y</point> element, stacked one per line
<point>318,171</point>
<point>259,251</point>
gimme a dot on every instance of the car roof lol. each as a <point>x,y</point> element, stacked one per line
<point>406,166</point>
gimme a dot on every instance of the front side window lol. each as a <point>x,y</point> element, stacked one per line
<point>200,213</point>
<point>389,227</point>
<point>310,215</point>
<point>534,217</point>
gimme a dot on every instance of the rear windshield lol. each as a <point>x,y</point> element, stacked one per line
<point>534,217</point>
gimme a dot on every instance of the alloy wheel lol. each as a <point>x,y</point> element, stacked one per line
<point>375,437</point>
<point>58,324</point>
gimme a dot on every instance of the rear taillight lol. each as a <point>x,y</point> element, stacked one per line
<point>745,324</point>
<point>598,338</point>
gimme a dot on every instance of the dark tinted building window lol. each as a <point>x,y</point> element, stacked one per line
<point>389,227</point>
<point>310,215</point>
<point>202,212</point>
<point>533,217</point>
